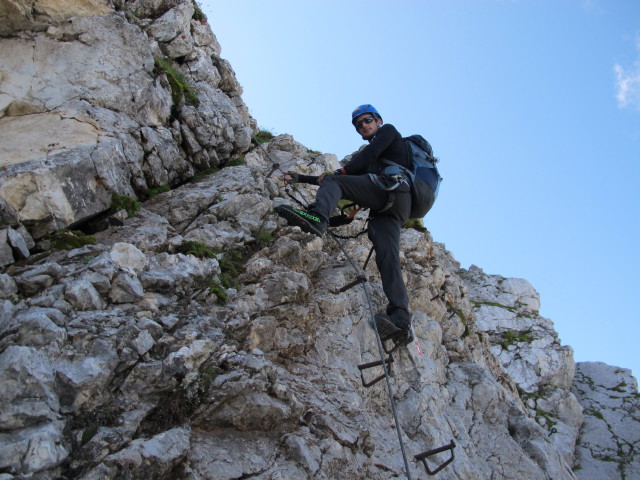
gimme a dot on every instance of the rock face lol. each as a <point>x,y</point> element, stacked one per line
<point>610,434</point>
<point>124,96</point>
<point>201,337</point>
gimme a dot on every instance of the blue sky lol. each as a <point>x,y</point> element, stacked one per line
<point>533,107</point>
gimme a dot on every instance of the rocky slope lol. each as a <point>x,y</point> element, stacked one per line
<point>200,337</point>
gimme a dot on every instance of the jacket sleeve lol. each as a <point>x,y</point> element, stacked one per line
<point>310,179</point>
<point>363,160</point>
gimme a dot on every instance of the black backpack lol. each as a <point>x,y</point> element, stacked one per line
<point>425,179</point>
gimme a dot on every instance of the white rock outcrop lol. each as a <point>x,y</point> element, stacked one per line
<point>124,98</point>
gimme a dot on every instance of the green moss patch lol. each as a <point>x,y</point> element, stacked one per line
<point>70,239</point>
<point>494,304</point>
<point>511,338</point>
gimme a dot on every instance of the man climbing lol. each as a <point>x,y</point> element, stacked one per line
<point>385,189</point>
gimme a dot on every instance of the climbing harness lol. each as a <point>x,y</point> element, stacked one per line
<point>384,362</point>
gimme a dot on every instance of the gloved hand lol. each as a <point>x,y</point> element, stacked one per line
<point>290,177</point>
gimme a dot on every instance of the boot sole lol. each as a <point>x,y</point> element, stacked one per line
<point>385,327</point>
<point>293,218</point>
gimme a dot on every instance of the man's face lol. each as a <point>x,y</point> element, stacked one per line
<point>367,125</point>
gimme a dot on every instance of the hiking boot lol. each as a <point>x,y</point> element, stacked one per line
<point>391,327</point>
<point>308,221</point>
<point>403,337</point>
<point>385,326</point>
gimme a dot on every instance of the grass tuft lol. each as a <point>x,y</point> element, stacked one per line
<point>123,202</point>
<point>179,86</point>
<point>69,240</point>
<point>263,136</point>
<point>197,249</point>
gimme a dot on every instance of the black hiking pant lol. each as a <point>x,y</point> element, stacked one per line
<point>384,228</point>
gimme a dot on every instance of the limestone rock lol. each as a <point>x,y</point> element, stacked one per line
<point>126,288</point>
<point>6,252</point>
<point>172,23</point>
<point>28,396</point>
<point>38,448</point>
<point>18,242</point>
<point>611,431</point>
<point>129,257</point>
<point>28,14</point>
<point>8,286</point>
<point>507,310</point>
<point>102,118</point>
<point>154,457</point>
<point>82,295</point>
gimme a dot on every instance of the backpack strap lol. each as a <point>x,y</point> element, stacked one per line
<point>404,170</point>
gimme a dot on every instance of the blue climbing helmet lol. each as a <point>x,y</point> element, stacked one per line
<point>366,108</point>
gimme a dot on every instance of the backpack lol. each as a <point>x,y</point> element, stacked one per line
<point>425,179</point>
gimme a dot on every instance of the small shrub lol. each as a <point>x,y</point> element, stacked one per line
<point>123,202</point>
<point>69,240</point>
<point>172,410</point>
<point>158,190</point>
<point>263,136</point>
<point>494,304</point>
<point>231,265</point>
<point>263,237</point>
<point>208,373</point>
<point>204,173</point>
<point>198,14</point>
<point>416,224</point>
<point>236,162</point>
<point>179,86</point>
<point>510,337</point>
<point>219,291</point>
<point>90,422</point>
<point>197,249</point>
<point>620,387</point>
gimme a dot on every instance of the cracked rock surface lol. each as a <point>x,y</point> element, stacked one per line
<point>610,435</point>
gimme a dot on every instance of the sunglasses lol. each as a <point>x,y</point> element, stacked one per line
<point>365,120</point>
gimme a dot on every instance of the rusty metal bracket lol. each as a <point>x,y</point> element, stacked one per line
<point>424,455</point>
<point>377,363</point>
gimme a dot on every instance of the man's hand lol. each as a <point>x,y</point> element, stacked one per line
<point>290,178</point>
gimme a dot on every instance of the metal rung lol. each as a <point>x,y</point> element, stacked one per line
<point>423,457</point>
<point>366,366</point>
<point>358,280</point>
<point>394,345</point>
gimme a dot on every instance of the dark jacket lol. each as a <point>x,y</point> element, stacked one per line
<point>386,145</point>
